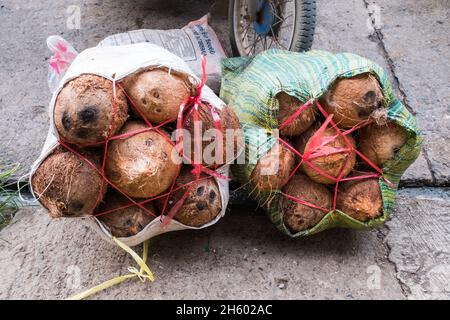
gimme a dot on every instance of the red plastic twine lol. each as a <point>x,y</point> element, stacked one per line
<point>188,108</point>
<point>318,147</point>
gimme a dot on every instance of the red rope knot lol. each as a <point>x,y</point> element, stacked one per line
<point>190,109</point>
<point>197,170</point>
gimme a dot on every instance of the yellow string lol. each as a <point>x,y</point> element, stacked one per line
<point>143,274</point>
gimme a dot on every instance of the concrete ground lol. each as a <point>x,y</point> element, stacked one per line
<point>243,256</point>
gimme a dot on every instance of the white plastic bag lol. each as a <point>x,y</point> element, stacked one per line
<point>116,63</point>
<point>59,62</point>
<point>189,43</point>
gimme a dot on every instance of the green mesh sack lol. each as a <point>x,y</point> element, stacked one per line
<point>249,85</point>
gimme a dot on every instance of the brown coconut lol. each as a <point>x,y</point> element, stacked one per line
<point>379,143</point>
<point>300,141</point>
<point>273,169</point>
<point>298,217</point>
<point>125,222</point>
<point>66,186</point>
<point>331,164</point>
<point>202,204</point>
<point>232,141</point>
<point>354,100</point>
<point>289,105</point>
<point>157,93</point>
<point>143,165</point>
<point>360,199</point>
<point>84,110</point>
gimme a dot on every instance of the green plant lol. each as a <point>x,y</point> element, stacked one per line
<point>8,197</point>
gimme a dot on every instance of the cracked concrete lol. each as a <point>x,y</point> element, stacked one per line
<point>415,37</point>
<point>244,256</point>
<point>420,175</point>
<point>410,252</point>
<point>417,175</point>
<point>377,35</point>
<point>241,257</point>
<point>418,239</point>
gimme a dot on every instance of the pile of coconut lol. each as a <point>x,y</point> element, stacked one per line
<point>117,160</point>
<point>330,153</point>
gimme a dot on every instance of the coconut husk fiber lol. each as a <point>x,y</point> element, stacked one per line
<point>354,100</point>
<point>158,93</point>
<point>125,222</point>
<point>360,199</point>
<point>289,105</point>
<point>202,204</point>
<point>272,171</point>
<point>298,217</point>
<point>143,165</point>
<point>84,110</point>
<point>67,186</point>
<point>379,143</point>
<point>232,141</point>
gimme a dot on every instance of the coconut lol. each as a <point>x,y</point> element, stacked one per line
<point>289,105</point>
<point>380,143</point>
<point>360,199</point>
<point>158,93</point>
<point>143,165</point>
<point>273,169</point>
<point>331,164</point>
<point>298,217</point>
<point>67,186</point>
<point>232,142</point>
<point>84,110</point>
<point>124,222</point>
<point>202,204</point>
<point>301,140</point>
<point>354,100</point>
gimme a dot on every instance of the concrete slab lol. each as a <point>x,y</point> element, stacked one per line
<point>349,28</point>
<point>418,174</point>
<point>346,27</point>
<point>419,242</point>
<point>415,36</point>
<point>241,257</point>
